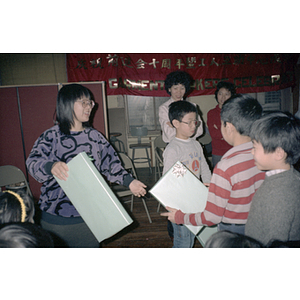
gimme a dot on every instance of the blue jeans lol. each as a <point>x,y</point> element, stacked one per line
<point>236,228</point>
<point>183,238</point>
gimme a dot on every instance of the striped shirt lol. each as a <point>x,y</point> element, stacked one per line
<point>233,184</point>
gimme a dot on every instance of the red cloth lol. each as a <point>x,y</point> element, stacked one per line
<point>219,145</point>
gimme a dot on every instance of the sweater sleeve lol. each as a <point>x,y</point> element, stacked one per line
<point>214,124</point>
<point>170,157</point>
<point>188,219</point>
<point>42,157</point>
<point>215,207</point>
<point>168,133</point>
<point>111,166</point>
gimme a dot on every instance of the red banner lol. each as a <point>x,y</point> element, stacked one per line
<point>144,74</point>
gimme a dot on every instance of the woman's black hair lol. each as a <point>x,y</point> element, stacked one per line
<point>178,77</point>
<point>66,98</point>
<point>226,85</point>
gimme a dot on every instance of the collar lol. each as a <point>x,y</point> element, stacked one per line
<point>273,172</point>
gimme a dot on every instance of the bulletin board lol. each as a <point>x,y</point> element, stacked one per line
<point>27,111</point>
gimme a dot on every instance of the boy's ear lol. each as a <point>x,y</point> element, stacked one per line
<point>229,127</point>
<point>175,123</point>
<point>280,154</point>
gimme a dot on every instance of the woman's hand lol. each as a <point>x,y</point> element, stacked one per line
<point>60,170</point>
<point>137,188</point>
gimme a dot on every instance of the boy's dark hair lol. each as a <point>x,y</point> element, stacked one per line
<point>227,239</point>
<point>66,98</point>
<point>178,77</point>
<point>24,235</point>
<point>278,129</point>
<point>178,109</point>
<point>241,111</point>
<point>227,85</point>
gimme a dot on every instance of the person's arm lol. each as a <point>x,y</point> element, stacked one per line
<point>214,125</point>
<point>113,170</point>
<point>41,159</point>
<point>170,157</point>
<point>168,131</point>
<point>215,207</point>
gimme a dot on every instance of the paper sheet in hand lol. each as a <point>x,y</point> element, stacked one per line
<point>94,200</point>
<point>181,189</point>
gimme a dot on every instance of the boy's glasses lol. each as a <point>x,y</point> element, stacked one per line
<point>191,123</point>
<point>85,103</point>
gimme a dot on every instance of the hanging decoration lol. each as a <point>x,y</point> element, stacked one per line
<point>144,74</point>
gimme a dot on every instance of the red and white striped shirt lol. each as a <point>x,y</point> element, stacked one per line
<point>233,184</point>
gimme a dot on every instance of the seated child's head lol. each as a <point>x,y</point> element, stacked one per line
<point>241,111</point>
<point>16,207</point>
<point>273,133</point>
<point>24,235</point>
<point>227,239</point>
<point>183,116</point>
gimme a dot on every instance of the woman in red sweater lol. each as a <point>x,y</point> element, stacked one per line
<point>219,146</point>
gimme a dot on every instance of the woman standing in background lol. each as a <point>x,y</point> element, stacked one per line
<point>219,146</point>
<point>177,85</point>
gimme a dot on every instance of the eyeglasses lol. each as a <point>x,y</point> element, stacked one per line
<point>85,103</point>
<point>191,123</point>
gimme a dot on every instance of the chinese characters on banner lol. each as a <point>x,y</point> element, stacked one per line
<point>144,74</point>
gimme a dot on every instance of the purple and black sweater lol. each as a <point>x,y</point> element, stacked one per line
<point>53,146</point>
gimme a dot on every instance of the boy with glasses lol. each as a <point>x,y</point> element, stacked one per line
<point>183,117</point>
<point>235,178</point>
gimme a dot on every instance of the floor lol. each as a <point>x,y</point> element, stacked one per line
<point>141,233</point>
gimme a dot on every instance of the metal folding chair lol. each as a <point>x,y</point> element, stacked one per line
<point>11,175</point>
<point>122,191</point>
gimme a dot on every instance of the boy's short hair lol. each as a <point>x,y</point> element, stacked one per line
<point>178,109</point>
<point>227,239</point>
<point>278,129</point>
<point>241,111</point>
<point>178,77</point>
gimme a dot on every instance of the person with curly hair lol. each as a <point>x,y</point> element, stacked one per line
<point>177,85</point>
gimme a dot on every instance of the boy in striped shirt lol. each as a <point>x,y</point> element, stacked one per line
<point>235,178</point>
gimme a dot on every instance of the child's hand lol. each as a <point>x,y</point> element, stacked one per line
<point>137,188</point>
<point>170,214</point>
<point>60,170</point>
<point>206,184</point>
